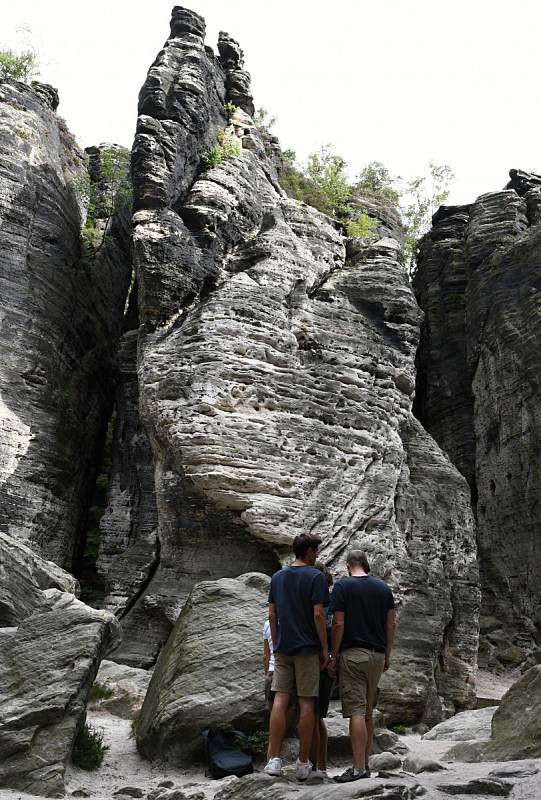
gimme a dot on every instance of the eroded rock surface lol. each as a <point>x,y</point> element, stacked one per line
<point>276,380</point>
<point>209,673</point>
<point>262,787</point>
<point>478,282</point>
<point>51,645</point>
<point>468,725</point>
<point>516,725</point>
<point>122,689</point>
<point>129,545</point>
<point>60,316</point>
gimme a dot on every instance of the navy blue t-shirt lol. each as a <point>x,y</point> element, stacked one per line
<point>294,592</point>
<point>365,601</point>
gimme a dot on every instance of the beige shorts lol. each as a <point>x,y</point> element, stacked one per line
<point>296,675</point>
<point>359,673</point>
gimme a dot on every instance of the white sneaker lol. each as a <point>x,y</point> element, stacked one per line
<point>273,766</point>
<point>302,769</point>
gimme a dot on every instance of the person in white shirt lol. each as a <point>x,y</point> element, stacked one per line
<point>268,664</point>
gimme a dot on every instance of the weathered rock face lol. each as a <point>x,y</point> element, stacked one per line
<point>262,787</point>
<point>516,725</point>
<point>126,687</point>
<point>129,548</point>
<point>209,670</point>
<point>467,726</point>
<point>276,380</point>
<point>59,319</point>
<point>50,648</point>
<point>478,281</point>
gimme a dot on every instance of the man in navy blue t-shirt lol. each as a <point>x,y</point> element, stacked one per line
<point>297,598</point>
<point>363,634</point>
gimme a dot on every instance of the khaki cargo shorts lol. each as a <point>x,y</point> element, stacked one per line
<point>296,675</point>
<point>359,673</point>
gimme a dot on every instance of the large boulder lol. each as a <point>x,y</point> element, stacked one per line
<point>263,787</point>
<point>120,689</point>
<point>466,726</point>
<point>516,725</point>
<point>209,674</point>
<point>51,645</point>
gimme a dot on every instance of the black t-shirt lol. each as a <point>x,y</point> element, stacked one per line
<point>365,601</point>
<point>294,592</point>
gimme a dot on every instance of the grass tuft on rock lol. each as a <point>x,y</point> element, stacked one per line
<point>89,748</point>
<point>100,691</point>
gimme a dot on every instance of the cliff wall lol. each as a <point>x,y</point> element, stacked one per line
<point>478,282</point>
<point>276,377</point>
<point>60,317</point>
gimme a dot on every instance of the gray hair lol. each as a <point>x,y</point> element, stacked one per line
<point>357,558</point>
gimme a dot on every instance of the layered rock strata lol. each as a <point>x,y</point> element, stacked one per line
<point>60,315</point>
<point>51,645</point>
<point>478,282</point>
<point>210,669</point>
<point>129,547</point>
<point>276,381</point>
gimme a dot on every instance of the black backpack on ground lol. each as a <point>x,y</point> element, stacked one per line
<point>224,756</point>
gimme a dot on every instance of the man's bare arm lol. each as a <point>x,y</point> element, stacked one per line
<point>337,636</point>
<point>321,628</point>
<point>273,622</point>
<point>390,625</point>
<point>337,631</point>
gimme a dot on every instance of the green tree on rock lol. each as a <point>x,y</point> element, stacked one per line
<point>106,192</point>
<point>420,201</point>
<point>18,66</point>
<point>327,171</point>
<point>376,181</point>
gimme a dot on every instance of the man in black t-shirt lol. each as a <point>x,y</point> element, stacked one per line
<point>297,598</point>
<point>363,633</point>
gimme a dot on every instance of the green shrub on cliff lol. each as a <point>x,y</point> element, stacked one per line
<point>228,146</point>
<point>104,194</point>
<point>362,227</point>
<point>320,183</point>
<point>376,181</point>
<point>18,66</point>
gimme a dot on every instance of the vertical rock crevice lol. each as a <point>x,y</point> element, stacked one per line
<point>60,318</point>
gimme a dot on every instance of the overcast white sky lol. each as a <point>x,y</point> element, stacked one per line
<point>399,81</point>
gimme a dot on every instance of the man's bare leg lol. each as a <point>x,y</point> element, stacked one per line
<point>305,727</point>
<point>322,753</point>
<point>358,736</point>
<point>314,749</point>
<point>277,724</point>
<point>369,739</point>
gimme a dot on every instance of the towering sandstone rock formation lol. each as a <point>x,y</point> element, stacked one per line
<point>479,284</point>
<point>264,389</point>
<point>276,377</point>
<point>60,316</point>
